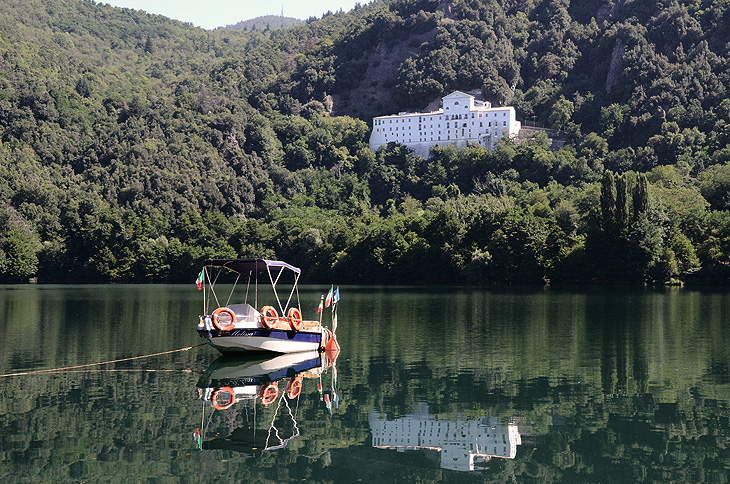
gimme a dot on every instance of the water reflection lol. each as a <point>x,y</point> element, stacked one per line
<point>603,385</point>
<point>465,445</point>
<point>269,389</point>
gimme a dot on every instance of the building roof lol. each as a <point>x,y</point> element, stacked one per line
<point>457,94</point>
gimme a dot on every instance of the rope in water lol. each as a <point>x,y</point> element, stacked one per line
<point>65,368</point>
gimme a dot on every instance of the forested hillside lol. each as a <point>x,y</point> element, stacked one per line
<point>134,146</point>
<point>263,23</point>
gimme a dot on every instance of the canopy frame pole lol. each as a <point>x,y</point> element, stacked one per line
<point>291,293</point>
<point>273,285</point>
<point>212,287</point>
<point>248,286</point>
<point>233,288</point>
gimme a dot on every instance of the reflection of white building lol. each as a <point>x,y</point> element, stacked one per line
<point>465,445</point>
<point>461,120</point>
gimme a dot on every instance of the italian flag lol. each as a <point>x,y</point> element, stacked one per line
<point>200,279</point>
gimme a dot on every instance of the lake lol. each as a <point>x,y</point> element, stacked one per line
<point>588,385</point>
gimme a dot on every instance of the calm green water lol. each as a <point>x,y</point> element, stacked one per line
<point>596,385</point>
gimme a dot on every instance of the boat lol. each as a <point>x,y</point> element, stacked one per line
<point>268,389</point>
<point>277,327</point>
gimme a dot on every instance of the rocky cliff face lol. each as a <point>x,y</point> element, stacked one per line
<point>614,71</point>
<point>373,93</point>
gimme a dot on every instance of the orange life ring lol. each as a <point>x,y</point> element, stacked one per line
<point>295,319</point>
<point>294,388</point>
<point>217,320</point>
<point>269,317</point>
<point>229,403</point>
<point>269,393</point>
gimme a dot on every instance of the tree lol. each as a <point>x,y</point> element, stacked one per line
<point>20,258</point>
<point>622,201</point>
<point>608,200</point>
<point>562,112</point>
<point>640,196</point>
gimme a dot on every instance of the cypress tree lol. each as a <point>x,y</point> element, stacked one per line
<point>622,201</point>
<point>641,196</point>
<point>608,199</point>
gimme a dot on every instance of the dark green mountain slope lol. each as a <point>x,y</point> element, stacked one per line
<point>621,67</point>
<point>133,146</point>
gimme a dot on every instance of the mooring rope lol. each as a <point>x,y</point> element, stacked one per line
<point>121,370</point>
<point>65,368</point>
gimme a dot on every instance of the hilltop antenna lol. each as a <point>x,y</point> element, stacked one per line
<point>282,11</point>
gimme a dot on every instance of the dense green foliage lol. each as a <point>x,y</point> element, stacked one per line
<point>133,146</point>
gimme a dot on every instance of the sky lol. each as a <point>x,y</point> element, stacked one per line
<point>210,14</point>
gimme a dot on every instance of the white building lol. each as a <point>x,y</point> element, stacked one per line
<point>465,445</point>
<point>461,120</point>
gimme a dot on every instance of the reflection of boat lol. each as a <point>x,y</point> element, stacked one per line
<point>274,384</point>
<point>240,327</point>
<point>465,445</point>
<point>248,378</point>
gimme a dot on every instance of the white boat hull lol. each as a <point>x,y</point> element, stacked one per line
<point>271,340</point>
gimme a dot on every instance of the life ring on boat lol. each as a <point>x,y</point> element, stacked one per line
<point>269,393</point>
<point>295,319</point>
<point>294,388</point>
<point>217,320</point>
<point>229,403</point>
<point>269,317</point>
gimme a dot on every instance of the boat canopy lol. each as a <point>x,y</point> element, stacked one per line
<point>242,266</point>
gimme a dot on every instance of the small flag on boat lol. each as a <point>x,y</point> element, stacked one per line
<point>319,309</point>
<point>336,296</point>
<point>328,301</point>
<point>199,281</point>
<point>198,439</point>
